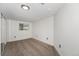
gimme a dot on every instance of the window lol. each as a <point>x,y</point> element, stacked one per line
<point>23,26</point>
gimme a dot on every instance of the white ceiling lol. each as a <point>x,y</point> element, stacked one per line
<point>36,12</point>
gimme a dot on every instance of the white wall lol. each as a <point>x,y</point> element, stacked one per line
<point>0,34</point>
<point>13,30</point>
<point>43,29</point>
<point>0,28</point>
<point>67,30</point>
<point>3,30</point>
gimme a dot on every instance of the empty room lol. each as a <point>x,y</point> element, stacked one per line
<point>39,29</point>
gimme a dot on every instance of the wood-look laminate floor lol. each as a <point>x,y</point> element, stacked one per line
<point>29,47</point>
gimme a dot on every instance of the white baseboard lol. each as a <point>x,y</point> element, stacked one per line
<point>51,45</point>
<point>43,41</point>
<point>58,50</point>
<point>18,39</point>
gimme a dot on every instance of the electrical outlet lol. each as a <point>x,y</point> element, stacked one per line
<point>59,45</point>
<point>14,36</point>
<point>46,38</point>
